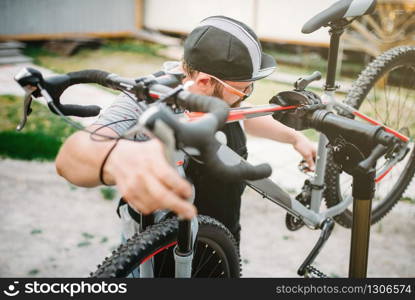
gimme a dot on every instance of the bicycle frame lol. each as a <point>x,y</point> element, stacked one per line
<point>312,216</point>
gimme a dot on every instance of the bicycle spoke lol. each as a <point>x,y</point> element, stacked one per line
<point>202,256</point>
<point>387,104</point>
<point>409,113</point>
<point>374,106</point>
<point>223,273</point>
<point>214,269</point>
<point>399,107</point>
<point>406,98</point>
<point>204,264</point>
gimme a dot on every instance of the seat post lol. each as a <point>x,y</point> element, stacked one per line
<point>335,31</point>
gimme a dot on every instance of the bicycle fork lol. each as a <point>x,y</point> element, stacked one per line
<point>183,251</point>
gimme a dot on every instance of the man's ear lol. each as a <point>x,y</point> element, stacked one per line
<point>203,82</point>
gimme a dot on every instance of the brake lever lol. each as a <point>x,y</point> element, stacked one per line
<point>26,109</point>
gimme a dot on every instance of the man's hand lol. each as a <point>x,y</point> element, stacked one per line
<point>307,150</point>
<point>146,180</point>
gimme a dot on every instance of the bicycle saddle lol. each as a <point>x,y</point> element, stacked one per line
<point>339,10</point>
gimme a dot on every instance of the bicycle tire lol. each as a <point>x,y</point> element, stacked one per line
<point>158,241</point>
<point>381,66</point>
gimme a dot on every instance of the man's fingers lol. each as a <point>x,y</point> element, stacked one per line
<point>181,207</point>
<point>310,162</point>
<point>137,196</point>
<point>166,199</point>
<point>169,177</point>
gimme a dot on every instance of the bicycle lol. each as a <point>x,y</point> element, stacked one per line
<point>165,241</point>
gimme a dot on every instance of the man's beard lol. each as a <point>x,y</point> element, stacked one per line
<point>217,91</point>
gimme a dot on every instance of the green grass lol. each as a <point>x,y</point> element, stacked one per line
<point>87,235</point>
<point>134,46</point>
<point>33,272</point>
<point>36,231</point>
<point>36,52</point>
<point>42,136</point>
<point>308,62</point>
<point>408,199</point>
<point>108,193</point>
<point>127,57</point>
<point>83,244</point>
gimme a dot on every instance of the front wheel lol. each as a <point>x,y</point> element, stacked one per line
<point>215,252</point>
<point>385,91</point>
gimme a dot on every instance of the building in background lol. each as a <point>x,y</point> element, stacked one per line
<point>276,21</point>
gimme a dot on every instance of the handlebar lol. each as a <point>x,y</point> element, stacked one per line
<point>358,132</point>
<point>199,134</point>
<point>374,141</point>
<point>371,141</point>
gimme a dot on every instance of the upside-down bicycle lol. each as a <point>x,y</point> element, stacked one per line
<point>203,247</point>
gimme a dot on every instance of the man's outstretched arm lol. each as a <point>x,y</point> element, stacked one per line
<point>269,128</point>
<point>139,169</point>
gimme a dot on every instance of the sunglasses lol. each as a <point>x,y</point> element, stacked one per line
<point>247,91</point>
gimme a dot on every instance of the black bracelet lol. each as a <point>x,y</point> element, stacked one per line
<point>101,170</point>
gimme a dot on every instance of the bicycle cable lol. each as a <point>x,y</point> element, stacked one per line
<point>94,132</point>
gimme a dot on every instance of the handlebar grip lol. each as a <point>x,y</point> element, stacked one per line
<point>246,171</point>
<point>76,110</point>
<point>200,134</point>
<point>56,85</point>
<point>88,76</point>
<point>243,171</point>
<point>386,138</point>
<point>232,167</point>
<point>352,130</point>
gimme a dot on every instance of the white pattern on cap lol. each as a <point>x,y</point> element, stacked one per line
<point>242,35</point>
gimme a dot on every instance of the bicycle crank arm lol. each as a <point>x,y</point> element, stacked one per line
<point>327,228</point>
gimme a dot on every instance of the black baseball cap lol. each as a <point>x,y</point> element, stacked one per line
<point>227,49</point>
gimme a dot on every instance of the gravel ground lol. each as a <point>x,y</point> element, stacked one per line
<point>49,228</point>
<point>52,229</point>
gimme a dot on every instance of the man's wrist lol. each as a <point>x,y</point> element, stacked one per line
<point>297,137</point>
<point>108,165</point>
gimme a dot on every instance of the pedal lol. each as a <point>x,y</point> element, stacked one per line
<point>326,231</point>
<point>312,272</point>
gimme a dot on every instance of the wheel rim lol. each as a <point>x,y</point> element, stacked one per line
<point>209,260</point>
<point>391,101</point>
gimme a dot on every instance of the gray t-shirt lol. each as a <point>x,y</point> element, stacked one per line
<point>124,111</point>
